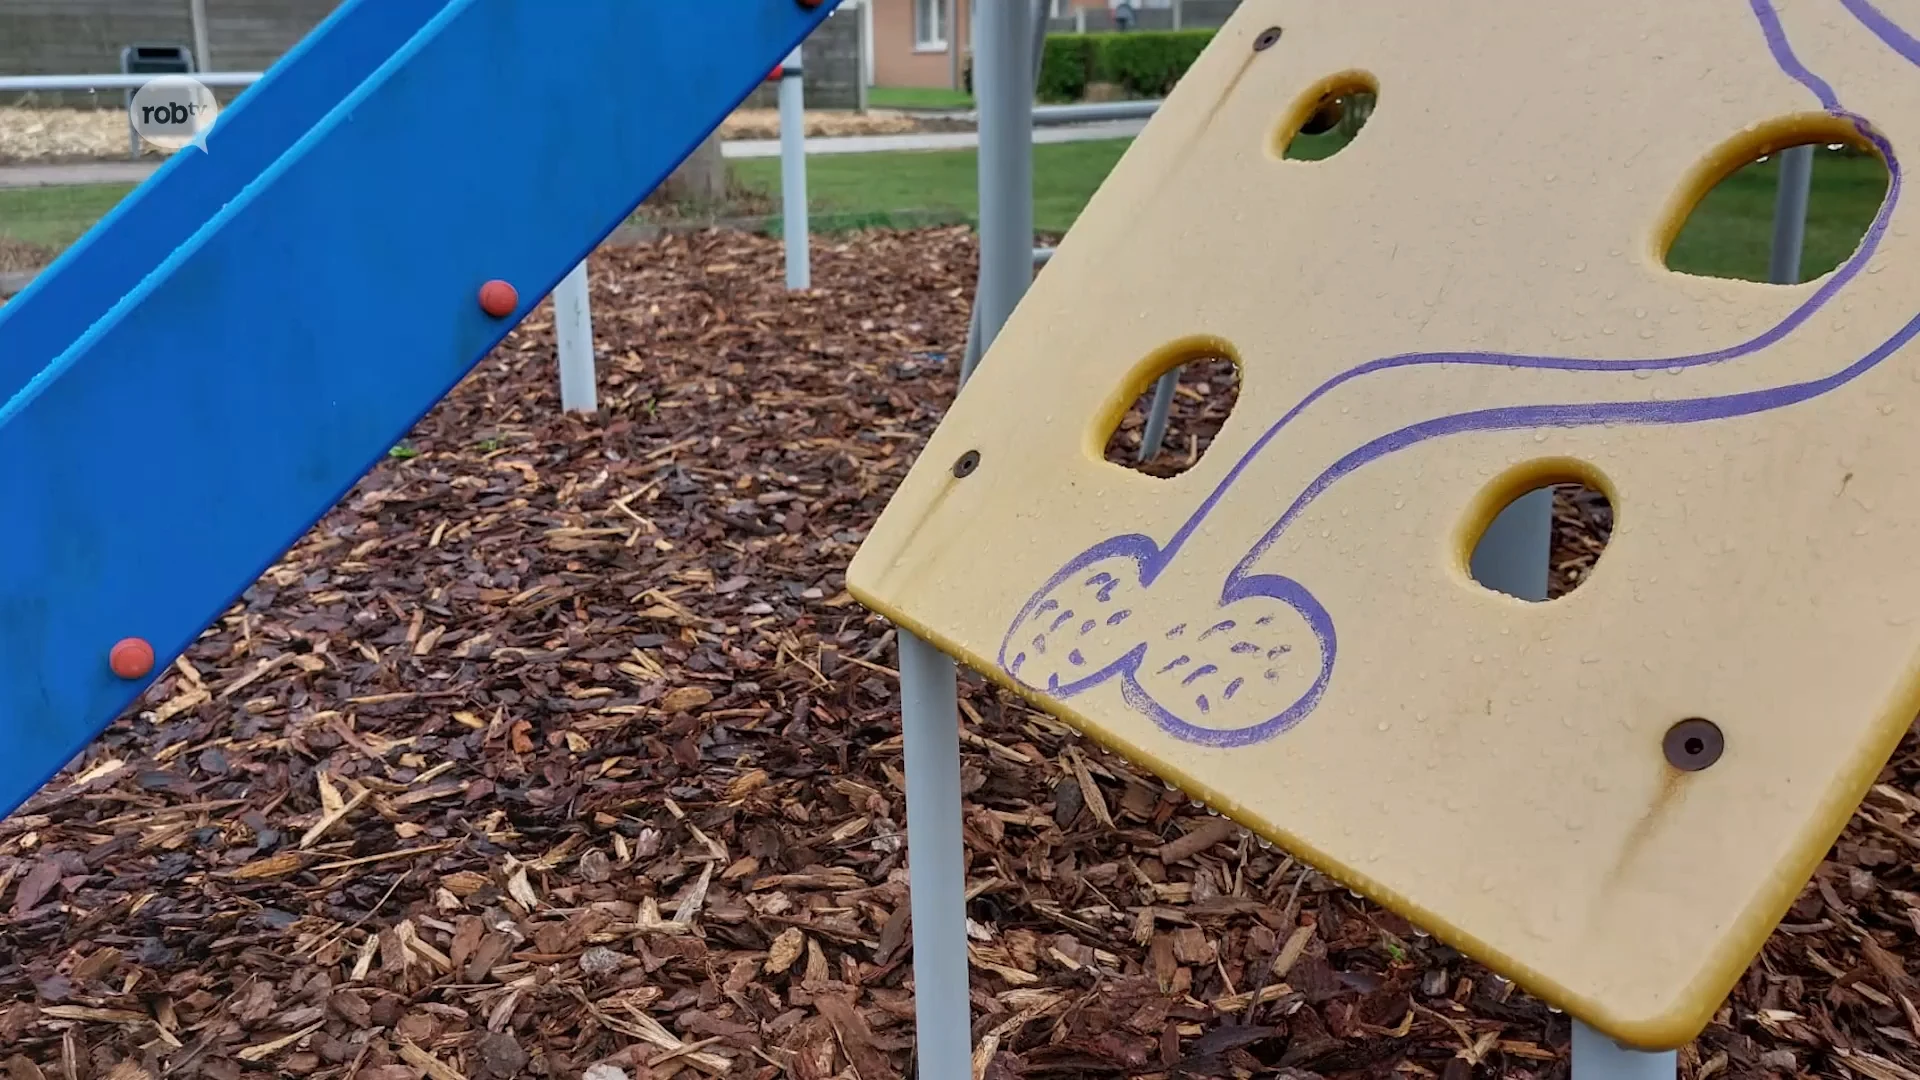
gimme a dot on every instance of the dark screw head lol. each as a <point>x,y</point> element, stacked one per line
<point>968,462</point>
<point>1267,39</point>
<point>1694,744</point>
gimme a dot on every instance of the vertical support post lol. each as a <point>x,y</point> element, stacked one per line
<point>1790,215</point>
<point>1003,85</point>
<point>1039,45</point>
<point>1178,13</point>
<point>1158,415</point>
<point>1513,552</point>
<point>1596,1057</point>
<point>573,330</point>
<point>793,172</point>
<point>929,683</point>
<point>936,860</point>
<point>202,38</point>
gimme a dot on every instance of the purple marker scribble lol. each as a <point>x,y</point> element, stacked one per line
<point>1076,659</point>
<point>1040,644</point>
<point>1087,626</point>
<point>1285,612</point>
<point>1883,28</point>
<point>1063,617</point>
<point>1200,672</point>
<point>1118,617</point>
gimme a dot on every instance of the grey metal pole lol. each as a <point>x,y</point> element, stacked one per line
<point>970,356</point>
<point>1596,1057</point>
<point>1158,415</point>
<point>1039,41</point>
<point>1790,215</point>
<point>573,334</point>
<point>202,47</point>
<point>929,684</point>
<point>1003,85</point>
<point>793,172</point>
<point>936,860</point>
<point>1513,552</point>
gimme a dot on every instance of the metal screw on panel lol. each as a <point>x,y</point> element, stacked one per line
<point>968,462</point>
<point>1693,744</point>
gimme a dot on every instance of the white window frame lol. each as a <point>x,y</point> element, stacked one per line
<point>931,39</point>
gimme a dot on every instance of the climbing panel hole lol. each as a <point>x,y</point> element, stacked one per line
<point>1734,229</point>
<point>1582,525</point>
<point>1196,399</point>
<point>1326,119</point>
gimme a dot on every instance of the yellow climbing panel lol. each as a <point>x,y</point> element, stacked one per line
<point>1468,301</point>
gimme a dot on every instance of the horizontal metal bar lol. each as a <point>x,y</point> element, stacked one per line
<point>17,84</point>
<point>1042,256</point>
<point>1089,114</point>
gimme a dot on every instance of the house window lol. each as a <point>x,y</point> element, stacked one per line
<point>930,25</point>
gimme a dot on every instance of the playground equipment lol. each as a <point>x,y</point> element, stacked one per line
<point>1612,797</point>
<point>265,303</point>
<point>1652,726</point>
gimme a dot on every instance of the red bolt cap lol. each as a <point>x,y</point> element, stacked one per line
<point>131,658</point>
<point>498,299</point>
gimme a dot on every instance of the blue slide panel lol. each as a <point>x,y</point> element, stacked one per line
<point>166,458</point>
<point>190,187</point>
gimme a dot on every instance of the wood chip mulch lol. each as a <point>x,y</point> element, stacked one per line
<point>559,750</point>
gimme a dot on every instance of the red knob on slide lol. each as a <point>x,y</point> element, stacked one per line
<point>131,658</point>
<point>498,299</point>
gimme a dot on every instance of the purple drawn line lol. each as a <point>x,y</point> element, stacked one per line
<point>1200,672</point>
<point>1151,558</point>
<point>1884,28</point>
<point>1783,55</point>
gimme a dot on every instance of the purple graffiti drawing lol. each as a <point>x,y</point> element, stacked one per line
<point>1261,660</point>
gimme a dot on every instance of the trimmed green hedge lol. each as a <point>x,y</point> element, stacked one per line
<point>1146,63</point>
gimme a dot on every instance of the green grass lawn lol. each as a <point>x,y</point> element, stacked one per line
<point>866,189</point>
<point>1731,232</point>
<point>54,217</point>
<point>917,97</point>
<point>1728,236</point>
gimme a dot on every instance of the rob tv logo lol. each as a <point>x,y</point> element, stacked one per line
<point>173,112</point>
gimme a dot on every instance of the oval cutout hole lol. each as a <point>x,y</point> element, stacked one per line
<point>1728,232</point>
<point>1327,118</point>
<point>1582,526</point>
<point>1204,390</point>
